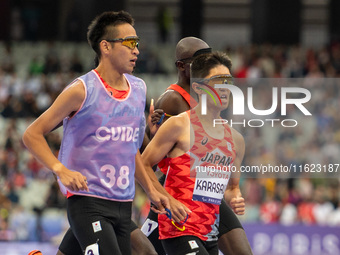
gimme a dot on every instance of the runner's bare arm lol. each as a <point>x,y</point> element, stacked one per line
<point>171,103</point>
<point>157,198</point>
<point>168,136</point>
<point>68,101</point>
<point>233,194</point>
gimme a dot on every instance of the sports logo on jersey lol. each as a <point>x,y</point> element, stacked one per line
<point>204,140</point>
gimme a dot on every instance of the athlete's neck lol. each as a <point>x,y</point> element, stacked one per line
<point>184,82</point>
<point>211,114</point>
<point>112,78</point>
<point>208,122</point>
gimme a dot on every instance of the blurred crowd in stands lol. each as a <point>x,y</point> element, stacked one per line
<point>32,208</point>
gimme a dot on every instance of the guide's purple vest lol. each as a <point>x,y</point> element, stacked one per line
<point>102,138</point>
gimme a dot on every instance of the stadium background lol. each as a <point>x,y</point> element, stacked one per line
<point>43,47</point>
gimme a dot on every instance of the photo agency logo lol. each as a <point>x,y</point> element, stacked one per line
<point>280,100</point>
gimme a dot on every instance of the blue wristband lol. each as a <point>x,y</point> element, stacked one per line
<point>161,119</point>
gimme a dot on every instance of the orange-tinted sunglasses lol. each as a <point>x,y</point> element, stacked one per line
<point>131,41</point>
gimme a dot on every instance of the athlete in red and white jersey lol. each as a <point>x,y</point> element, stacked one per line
<point>232,239</point>
<point>200,192</point>
<point>198,178</point>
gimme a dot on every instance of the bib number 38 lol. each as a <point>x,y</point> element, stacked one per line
<point>122,181</point>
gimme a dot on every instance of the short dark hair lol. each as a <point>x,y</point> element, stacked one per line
<point>104,24</point>
<point>202,64</point>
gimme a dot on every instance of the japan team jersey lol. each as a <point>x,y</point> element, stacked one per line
<point>101,140</point>
<point>190,180</point>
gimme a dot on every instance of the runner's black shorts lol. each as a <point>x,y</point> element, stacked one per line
<point>70,245</point>
<point>228,222</point>
<point>100,221</point>
<point>183,245</point>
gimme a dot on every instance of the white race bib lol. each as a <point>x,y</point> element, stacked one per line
<point>210,184</point>
<point>92,249</point>
<point>149,226</point>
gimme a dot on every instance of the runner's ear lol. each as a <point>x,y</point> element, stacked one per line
<point>195,87</point>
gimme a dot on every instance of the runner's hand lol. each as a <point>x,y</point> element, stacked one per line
<point>153,118</point>
<point>73,180</point>
<point>178,210</point>
<point>238,205</point>
<point>159,201</point>
<point>156,117</point>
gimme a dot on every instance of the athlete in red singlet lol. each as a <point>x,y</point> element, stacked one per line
<point>193,188</point>
<point>232,239</point>
<point>175,138</point>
